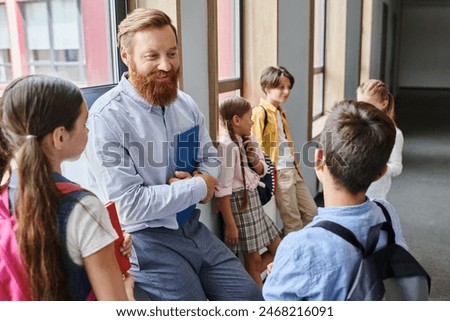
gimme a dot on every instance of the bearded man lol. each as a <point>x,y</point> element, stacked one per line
<point>150,152</point>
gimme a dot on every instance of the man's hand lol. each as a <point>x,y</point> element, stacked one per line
<point>211,183</point>
<point>178,176</point>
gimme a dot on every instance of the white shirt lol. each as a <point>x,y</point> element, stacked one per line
<point>380,188</point>
<point>285,157</point>
<point>89,229</point>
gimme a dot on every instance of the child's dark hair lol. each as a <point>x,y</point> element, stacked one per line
<point>357,141</point>
<point>270,77</point>
<point>33,107</point>
<point>230,107</point>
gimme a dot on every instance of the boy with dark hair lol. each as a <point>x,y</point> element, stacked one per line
<point>314,264</point>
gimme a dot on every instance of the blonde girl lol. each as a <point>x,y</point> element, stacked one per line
<point>375,92</point>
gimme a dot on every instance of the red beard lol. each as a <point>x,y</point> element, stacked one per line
<point>154,91</point>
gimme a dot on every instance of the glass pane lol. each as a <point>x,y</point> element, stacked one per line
<point>4,39</point>
<point>319,32</point>
<point>69,72</point>
<point>35,16</point>
<point>5,54</point>
<point>65,24</point>
<point>39,55</point>
<point>318,95</point>
<point>228,38</point>
<point>222,96</point>
<point>71,39</point>
<point>5,67</point>
<point>67,55</point>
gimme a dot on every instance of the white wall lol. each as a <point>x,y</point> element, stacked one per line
<point>194,37</point>
<point>353,43</point>
<point>425,45</point>
<point>391,42</point>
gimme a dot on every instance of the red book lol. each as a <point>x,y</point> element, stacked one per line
<point>124,261</point>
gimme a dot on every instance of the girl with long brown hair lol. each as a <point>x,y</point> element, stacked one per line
<point>66,241</point>
<point>247,228</point>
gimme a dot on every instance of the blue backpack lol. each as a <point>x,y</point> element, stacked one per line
<point>390,273</point>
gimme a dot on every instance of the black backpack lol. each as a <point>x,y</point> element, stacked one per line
<point>390,273</point>
<point>266,192</point>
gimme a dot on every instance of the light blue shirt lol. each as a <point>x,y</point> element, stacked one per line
<point>131,156</point>
<point>315,264</point>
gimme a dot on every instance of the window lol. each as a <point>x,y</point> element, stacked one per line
<point>5,55</point>
<point>319,58</point>
<point>229,45</point>
<point>71,39</point>
<point>224,55</point>
<point>53,39</point>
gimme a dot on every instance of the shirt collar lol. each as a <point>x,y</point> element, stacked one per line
<point>269,106</point>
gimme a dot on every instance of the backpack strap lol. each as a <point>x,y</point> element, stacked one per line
<point>343,232</point>
<point>388,224</point>
<point>265,118</point>
<point>14,277</point>
<point>67,188</point>
<point>349,236</point>
<point>4,203</point>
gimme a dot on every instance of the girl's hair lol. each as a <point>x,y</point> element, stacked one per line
<point>33,107</point>
<point>229,107</point>
<point>141,19</point>
<point>270,77</point>
<point>377,89</point>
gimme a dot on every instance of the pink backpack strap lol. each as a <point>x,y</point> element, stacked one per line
<point>14,277</point>
<point>4,203</point>
<point>66,187</point>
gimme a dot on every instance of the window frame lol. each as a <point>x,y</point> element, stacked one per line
<point>320,70</point>
<point>218,86</point>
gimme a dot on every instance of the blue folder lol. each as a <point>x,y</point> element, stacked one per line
<point>187,145</point>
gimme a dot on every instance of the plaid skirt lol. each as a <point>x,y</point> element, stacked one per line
<point>256,229</point>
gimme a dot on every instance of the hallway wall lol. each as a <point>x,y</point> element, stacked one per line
<point>425,45</point>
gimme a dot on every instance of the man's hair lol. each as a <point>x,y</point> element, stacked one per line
<point>141,19</point>
<point>270,77</point>
<point>357,141</point>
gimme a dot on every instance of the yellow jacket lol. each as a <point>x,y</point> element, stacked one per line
<point>268,137</point>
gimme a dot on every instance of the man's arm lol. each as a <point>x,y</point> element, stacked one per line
<point>117,178</point>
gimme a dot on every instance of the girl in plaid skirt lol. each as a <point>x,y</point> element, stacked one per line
<point>247,227</point>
